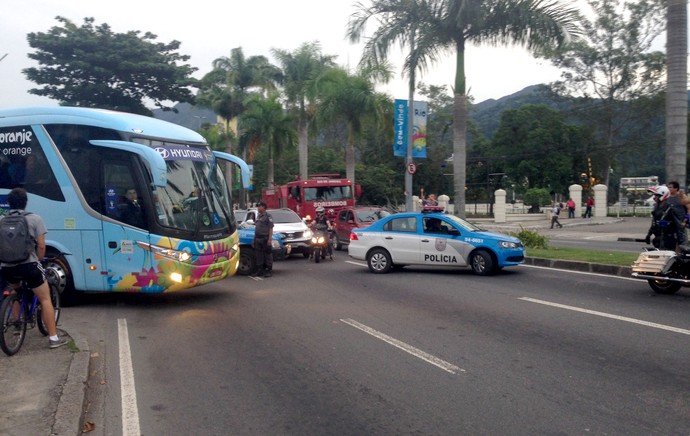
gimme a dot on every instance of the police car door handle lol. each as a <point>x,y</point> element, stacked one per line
<point>425,240</point>
<point>388,237</point>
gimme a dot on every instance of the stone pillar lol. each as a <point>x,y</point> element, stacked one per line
<point>416,204</point>
<point>600,201</point>
<point>444,200</point>
<point>500,206</point>
<point>576,195</point>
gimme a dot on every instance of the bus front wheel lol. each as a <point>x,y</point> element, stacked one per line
<point>60,277</point>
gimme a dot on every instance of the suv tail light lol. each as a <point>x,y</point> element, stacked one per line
<point>353,236</point>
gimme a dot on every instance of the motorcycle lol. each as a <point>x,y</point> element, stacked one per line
<point>666,271</point>
<point>320,244</point>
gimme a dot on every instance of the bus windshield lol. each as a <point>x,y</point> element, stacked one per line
<point>195,197</point>
<point>328,193</point>
<point>192,201</point>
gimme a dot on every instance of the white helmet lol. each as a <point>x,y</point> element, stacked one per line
<point>663,192</point>
<point>320,209</point>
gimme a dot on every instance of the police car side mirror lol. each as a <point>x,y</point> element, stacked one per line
<point>250,222</point>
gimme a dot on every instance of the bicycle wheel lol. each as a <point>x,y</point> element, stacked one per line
<point>13,325</point>
<point>55,299</point>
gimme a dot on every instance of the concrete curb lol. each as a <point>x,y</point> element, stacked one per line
<point>71,403</point>
<point>622,271</point>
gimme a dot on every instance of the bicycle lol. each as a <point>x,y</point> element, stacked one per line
<point>20,309</point>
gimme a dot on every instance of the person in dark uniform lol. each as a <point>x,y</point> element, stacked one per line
<point>263,235</point>
<point>130,211</point>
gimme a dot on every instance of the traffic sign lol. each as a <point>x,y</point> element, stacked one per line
<point>411,168</point>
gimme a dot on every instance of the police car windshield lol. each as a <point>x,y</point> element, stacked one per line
<point>464,224</point>
<point>371,215</point>
<point>284,216</point>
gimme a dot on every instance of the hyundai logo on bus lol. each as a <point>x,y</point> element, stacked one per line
<point>186,153</point>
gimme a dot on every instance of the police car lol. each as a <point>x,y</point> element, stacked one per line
<point>433,239</point>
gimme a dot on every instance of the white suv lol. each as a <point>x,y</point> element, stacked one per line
<point>286,221</point>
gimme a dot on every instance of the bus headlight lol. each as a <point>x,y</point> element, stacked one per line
<point>178,255</point>
<point>176,277</point>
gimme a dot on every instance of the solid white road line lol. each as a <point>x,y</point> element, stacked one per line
<point>356,263</point>
<point>609,315</point>
<point>448,367</point>
<point>586,273</point>
<point>130,413</point>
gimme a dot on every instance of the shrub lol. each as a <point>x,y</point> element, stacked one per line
<point>536,197</point>
<point>531,238</point>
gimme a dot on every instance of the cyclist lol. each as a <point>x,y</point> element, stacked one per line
<point>31,270</point>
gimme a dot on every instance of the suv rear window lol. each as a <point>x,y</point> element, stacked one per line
<point>284,216</point>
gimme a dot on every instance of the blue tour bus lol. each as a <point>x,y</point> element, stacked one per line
<point>79,167</point>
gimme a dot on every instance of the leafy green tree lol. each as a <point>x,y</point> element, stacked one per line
<point>265,123</point>
<point>535,147</point>
<point>449,25</point>
<point>610,67</point>
<point>92,66</point>
<point>300,70</point>
<point>537,197</point>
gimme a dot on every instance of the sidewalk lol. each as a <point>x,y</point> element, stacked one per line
<point>46,388</point>
<point>603,229</point>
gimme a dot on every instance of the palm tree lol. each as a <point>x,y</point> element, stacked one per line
<point>300,68</point>
<point>265,123</point>
<point>676,92</point>
<point>350,99</point>
<point>228,85</point>
<point>450,25</point>
<point>402,20</point>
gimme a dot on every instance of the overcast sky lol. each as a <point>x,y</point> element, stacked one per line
<point>208,30</point>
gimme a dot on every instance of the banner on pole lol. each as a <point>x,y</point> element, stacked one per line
<point>418,130</point>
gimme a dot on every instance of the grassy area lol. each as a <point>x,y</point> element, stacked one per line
<point>617,258</point>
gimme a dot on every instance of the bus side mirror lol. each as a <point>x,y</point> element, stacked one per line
<point>358,191</point>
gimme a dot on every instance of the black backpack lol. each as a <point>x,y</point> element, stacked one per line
<point>16,242</point>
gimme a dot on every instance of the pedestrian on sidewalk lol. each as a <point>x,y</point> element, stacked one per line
<point>554,215</point>
<point>588,207</point>
<point>571,208</point>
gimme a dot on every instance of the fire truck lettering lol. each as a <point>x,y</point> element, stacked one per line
<point>330,203</point>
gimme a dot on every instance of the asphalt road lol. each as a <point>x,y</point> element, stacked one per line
<point>333,349</point>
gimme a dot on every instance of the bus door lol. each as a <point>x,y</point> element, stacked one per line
<point>129,263</point>
<point>126,232</point>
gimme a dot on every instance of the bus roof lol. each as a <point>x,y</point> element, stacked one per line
<point>121,121</point>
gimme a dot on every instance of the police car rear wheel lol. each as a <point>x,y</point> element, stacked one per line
<point>482,263</point>
<point>379,261</point>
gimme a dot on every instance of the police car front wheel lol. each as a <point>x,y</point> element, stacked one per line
<point>482,263</point>
<point>379,261</point>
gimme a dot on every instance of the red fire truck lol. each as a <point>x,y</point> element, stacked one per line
<point>304,196</point>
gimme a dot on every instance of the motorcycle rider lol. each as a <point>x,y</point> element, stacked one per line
<point>322,223</point>
<point>667,219</point>
<point>655,228</point>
